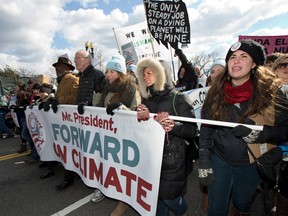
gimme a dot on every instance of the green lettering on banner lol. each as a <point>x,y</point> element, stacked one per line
<point>84,137</point>
<point>96,145</point>
<point>65,133</point>
<point>55,131</point>
<point>112,150</point>
<point>74,136</point>
<point>112,146</point>
<point>134,151</point>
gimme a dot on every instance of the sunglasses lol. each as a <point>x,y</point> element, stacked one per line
<point>282,66</point>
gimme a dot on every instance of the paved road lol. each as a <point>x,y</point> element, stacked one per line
<point>22,192</point>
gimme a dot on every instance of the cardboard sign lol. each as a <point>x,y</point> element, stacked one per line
<point>272,44</point>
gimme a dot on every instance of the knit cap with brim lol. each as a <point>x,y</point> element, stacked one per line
<point>253,48</point>
<point>117,63</point>
<point>132,68</point>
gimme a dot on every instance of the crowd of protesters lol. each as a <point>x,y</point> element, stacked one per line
<point>245,88</point>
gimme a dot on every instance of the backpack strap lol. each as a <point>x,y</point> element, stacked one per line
<point>251,153</point>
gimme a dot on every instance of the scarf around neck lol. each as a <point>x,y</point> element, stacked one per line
<point>238,94</point>
<point>123,92</point>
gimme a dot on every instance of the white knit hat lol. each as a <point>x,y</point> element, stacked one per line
<point>117,63</point>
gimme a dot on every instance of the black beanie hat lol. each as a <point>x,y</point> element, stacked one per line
<point>254,49</point>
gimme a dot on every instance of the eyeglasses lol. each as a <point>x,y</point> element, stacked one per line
<point>282,66</point>
<point>79,57</point>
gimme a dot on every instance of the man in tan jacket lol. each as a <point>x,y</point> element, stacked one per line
<point>67,89</point>
<point>66,93</point>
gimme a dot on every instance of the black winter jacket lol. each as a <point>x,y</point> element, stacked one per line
<point>173,172</point>
<point>159,98</point>
<point>90,80</point>
<point>222,142</point>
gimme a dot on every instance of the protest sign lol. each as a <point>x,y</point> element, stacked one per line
<point>198,96</point>
<point>272,44</point>
<point>138,38</point>
<point>112,153</point>
<point>202,82</point>
<point>168,22</point>
<point>129,53</point>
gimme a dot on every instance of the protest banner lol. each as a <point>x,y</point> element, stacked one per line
<point>197,96</point>
<point>139,36</point>
<point>117,154</point>
<point>15,118</point>
<point>112,153</point>
<point>168,22</point>
<point>272,44</point>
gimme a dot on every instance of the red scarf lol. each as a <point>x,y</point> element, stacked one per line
<point>238,94</point>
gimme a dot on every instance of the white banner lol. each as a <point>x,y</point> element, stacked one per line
<point>15,118</point>
<point>197,96</point>
<point>116,154</point>
<point>202,82</point>
<point>139,35</point>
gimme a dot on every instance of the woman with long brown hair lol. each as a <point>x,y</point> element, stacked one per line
<point>119,92</point>
<point>246,92</point>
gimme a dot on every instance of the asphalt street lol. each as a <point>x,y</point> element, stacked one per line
<point>23,193</point>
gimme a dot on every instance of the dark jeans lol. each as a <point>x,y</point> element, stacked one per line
<point>20,129</point>
<point>236,182</point>
<point>178,206</point>
<point>3,126</point>
<point>69,176</point>
<point>27,136</point>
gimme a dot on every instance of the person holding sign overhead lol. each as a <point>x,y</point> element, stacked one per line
<point>246,93</point>
<point>187,76</point>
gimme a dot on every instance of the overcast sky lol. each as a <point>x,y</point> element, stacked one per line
<point>35,32</point>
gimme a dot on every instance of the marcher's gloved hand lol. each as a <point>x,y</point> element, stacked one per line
<point>143,113</point>
<point>80,107</point>
<point>47,103</point>
<point>205,172</point>
<point>164,121</point>
<point>113,106</point>
<point>54,105</point>
<point>247,134</point>
<point>41,105</point>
